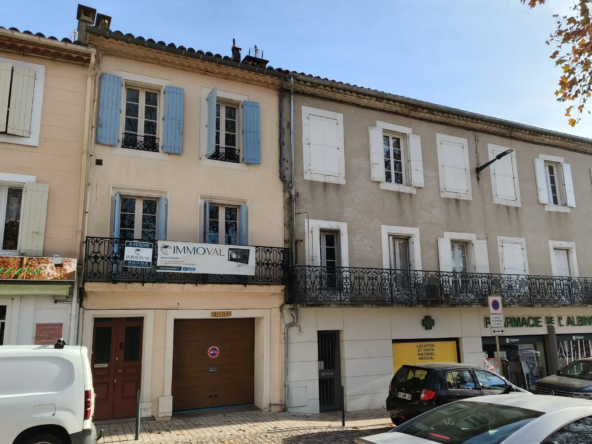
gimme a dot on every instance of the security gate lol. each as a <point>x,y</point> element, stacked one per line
<point>329,370</point>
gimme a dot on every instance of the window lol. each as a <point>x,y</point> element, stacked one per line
<point>330,257</point>
<point>223,225</point>
<point>138,218</point>
<point>453,161</point>
<point>460,380</point>
<point>17,86</point>
<point>11,208</point>
<point>554,183</point>
<point>322,133</point>
<point>459,257</point>
<point>489,381</point>
<point>564,260</point>
<point>2,323</point>
<point>513,258</point>
<point>141,120</point>
<point>226,128</point>
<point>400,253</point>
<point>504,177</point>
<point>577,432</point>
<point>394,159</point>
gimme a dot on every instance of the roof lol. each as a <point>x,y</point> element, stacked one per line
<point>442,365</point>
<point>541,403</point>
<point>40,34</point>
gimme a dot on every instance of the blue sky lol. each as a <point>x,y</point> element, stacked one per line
<point>485,56</point>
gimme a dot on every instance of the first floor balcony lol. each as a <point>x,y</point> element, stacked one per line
<point>104,262</point>
<point>316,285</point>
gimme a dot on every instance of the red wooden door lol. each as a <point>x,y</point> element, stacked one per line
<point>117,366</point>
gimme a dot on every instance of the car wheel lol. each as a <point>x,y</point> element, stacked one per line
<point>44,438</point>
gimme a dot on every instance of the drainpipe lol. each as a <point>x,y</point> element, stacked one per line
<point>281,100</point>
<point>294,314</point>
<point>292,191</point>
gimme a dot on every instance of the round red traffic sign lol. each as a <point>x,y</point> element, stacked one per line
<point>495,304</point>
<point>213,352</point>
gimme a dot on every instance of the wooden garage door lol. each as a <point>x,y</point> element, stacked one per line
<point>200,381</point>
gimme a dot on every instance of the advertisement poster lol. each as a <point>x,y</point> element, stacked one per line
<point>137,254</point>
<point>422,352</point>
<point>530,366</point>
<point>37,269</point>
<point>186,257</point>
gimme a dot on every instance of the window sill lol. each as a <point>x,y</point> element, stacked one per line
<point>398,188</point>
<point>453,195</point>
<point>136,153</point>
<point>221,164</point>
<point>338,180</point>
<point>557,208</point>
<point>9,253</point>
<point>509,203</point>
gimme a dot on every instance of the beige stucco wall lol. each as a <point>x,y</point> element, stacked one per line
<point>57,159</point>
<point>365,207</point>
<point>183,177</point>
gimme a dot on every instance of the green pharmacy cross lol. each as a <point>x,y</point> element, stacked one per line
<point>428,322</point>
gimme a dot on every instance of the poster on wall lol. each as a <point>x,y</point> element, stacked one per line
<point>137,254</point>
<point>424,351</point>
<point>530,366</point>
<point>186,257</point>
<point>37,269</point>
<point>47,334</point>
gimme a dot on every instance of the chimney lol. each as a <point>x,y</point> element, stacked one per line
<point>85,16</point>
<point>255,61</point>
<point>236,52</point>
<point>103,22</point>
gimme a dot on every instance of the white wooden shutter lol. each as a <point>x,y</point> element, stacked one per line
<point>376,154</point>
<point>570,196</point>
<point>324,145</point>
<point>454,167</point>
<point>504,176</point>
<point>34,213</point>
<point>513,258</point>
<point>415,161</point>
<point>541,181</point>
<point>445,253</point>
<point>315,245</point>
<point>21,101</point>
<point>481,256</point>
<point>5,76</point>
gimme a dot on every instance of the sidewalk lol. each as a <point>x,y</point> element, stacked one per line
<point>251,427</point>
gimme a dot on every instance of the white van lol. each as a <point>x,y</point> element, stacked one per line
<point>46,395</point>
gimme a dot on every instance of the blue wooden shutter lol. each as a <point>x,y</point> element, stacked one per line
<point>211,126</point>
<point>206,222</point>
<point>173,120</point>
<point>161,227</point>
<point>251,133</point>
<point>109,119</point>
<point>243,227</point>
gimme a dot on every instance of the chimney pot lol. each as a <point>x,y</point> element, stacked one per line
<point>236,52</point>
<point>103,21</point>
<point>85,16</point>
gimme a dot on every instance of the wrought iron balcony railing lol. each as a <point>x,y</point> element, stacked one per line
<point>103,262</point>
<point>308,285</point>
<point>138,142</point>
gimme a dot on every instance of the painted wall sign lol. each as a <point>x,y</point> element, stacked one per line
<point>186,257</point>
<point>537,321</point>
<point>424,351</point>
<point>138,254</point>
<point>47,334</point>
<point>221,314</point>
<point>36,269</point>
<point>213,352</point>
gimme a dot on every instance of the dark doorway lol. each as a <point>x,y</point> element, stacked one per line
<point>329,371</point>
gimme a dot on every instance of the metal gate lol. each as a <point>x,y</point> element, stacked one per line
<point>329,370</point>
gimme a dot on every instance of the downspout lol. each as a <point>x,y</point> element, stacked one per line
<point>294,314</point>
<point>281,100</point>
<point>292,191</point>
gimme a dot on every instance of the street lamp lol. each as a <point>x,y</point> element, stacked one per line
<point>498,157</point>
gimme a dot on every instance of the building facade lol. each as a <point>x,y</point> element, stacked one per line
<point>184,162</point>
<point>44,101</point>
<point>399,242</point>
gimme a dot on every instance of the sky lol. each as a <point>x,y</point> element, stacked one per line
<point>484,56</point>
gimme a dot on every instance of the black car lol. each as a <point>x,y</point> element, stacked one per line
<point>415,389</point>
<point>574,380</point>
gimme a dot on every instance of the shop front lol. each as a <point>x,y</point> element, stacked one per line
<point>573,346</point>
<point>37,300</point>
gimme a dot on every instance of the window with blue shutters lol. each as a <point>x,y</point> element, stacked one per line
<point>109,116</point>
<point>225,224</point>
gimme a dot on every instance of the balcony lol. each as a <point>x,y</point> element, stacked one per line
<point>103,262</point>
<point>376,286</point>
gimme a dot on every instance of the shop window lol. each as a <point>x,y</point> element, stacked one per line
<point>489,381</point>
<point>460,380</point>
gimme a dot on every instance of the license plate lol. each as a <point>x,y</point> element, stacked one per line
<point>406,396</point>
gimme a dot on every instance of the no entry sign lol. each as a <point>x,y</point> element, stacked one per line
<point>495,304</point>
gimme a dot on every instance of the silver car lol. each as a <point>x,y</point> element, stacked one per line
<point>500,419</point>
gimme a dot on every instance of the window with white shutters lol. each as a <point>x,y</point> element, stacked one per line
<point>504,177</point>
<point>11,206</point>
<point>513,258</point>
<point>554,182</point>
<point>453,161</point>
<point>323,146</point>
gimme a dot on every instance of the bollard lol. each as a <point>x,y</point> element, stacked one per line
<point>342,407</point>
<point>138,415</point>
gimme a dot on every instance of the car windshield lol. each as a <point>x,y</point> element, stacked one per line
<point>578,369</point>
<point>411,376</point>
<point>469,423</point>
